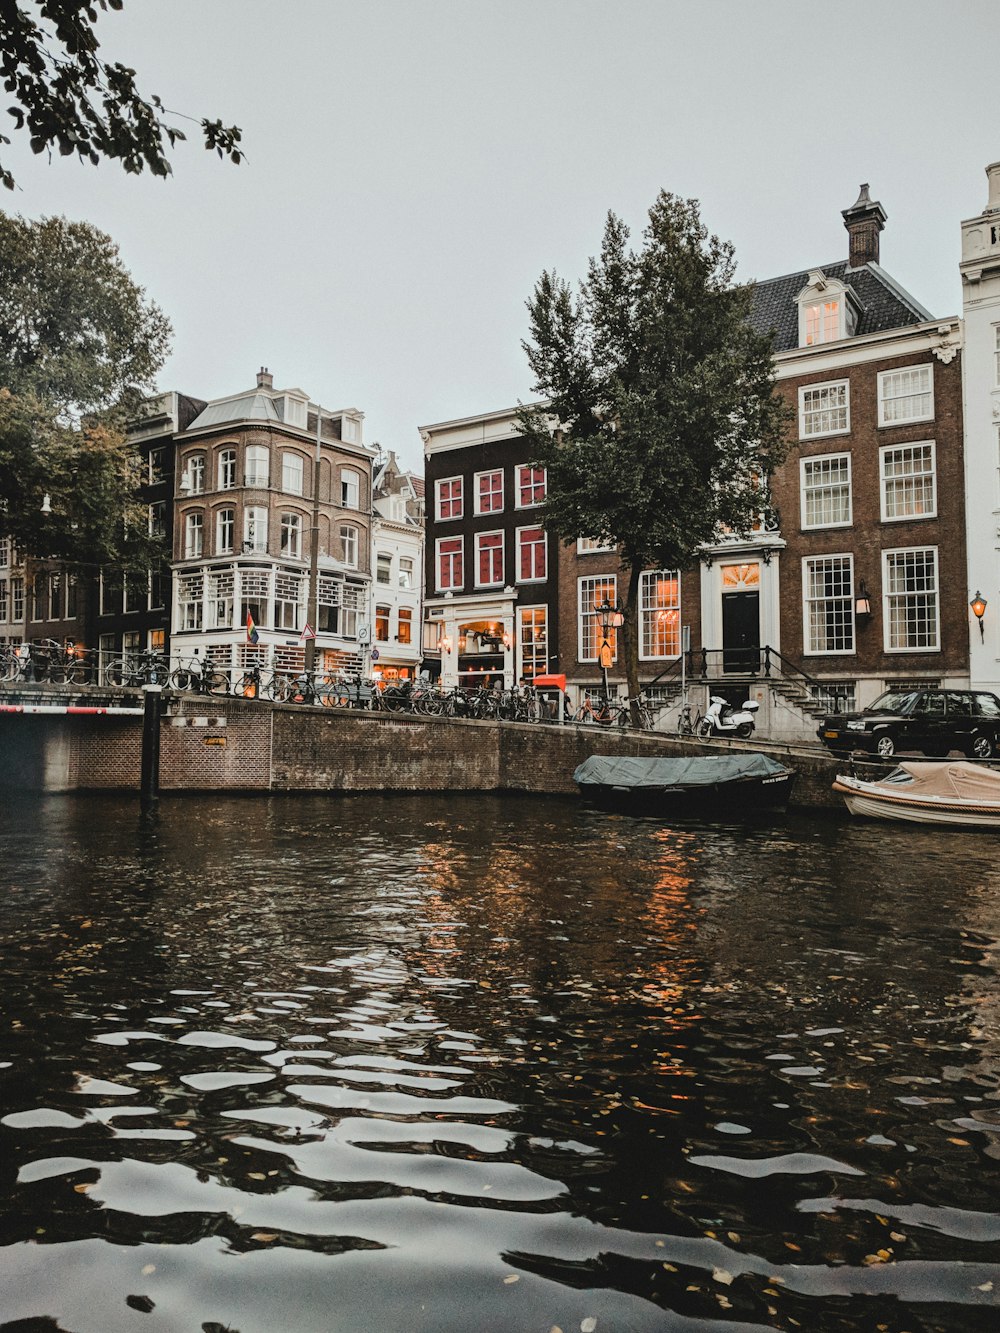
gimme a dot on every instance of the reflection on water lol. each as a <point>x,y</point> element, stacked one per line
<point>429,1065</point>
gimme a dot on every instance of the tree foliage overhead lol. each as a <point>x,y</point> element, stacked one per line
<point>80,346</point>
<point>66,97</point>
<point>667,419</point>
<point>75,329</point>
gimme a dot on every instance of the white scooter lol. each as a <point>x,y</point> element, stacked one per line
<point>722,719</point>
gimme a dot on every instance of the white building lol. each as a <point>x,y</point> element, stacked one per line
<point>397,572</point>
<point>980,269</point>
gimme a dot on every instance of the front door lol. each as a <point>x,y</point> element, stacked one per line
<point>740,631</point>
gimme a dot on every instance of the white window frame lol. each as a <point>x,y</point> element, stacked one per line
<point>291,536</point>
<point>351,544</point>
<point>804,466</point>
<point>808,602</point>
<point>885,378</point>
<point>493,548</point>
<point>586,600</point>
<point>194,523</point>
<point>996,355</point>
<point>255,455</point>
<point>407,571</point>
<point>383,561</point>
<point>818,388</point>
<point>457,499</point>
<point>520,543</point>
<point>883,455</point>
<point>651,608</point>
<point>887,557</point>
<point>255,518</point>
<point>537,654</point>
<point>293,471</point>
<point>454,584</point>
<point>221,546</point>
<point>196,474</point>
<point>590,546</point>
<point>227,469</point>
<point>477,498</point>
<point>350,488</point>
<point>520,485</point>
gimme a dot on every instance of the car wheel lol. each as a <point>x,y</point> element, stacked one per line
<point>885,746</point>
<point>982,747</point>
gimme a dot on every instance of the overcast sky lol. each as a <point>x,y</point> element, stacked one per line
<point>413,166</point>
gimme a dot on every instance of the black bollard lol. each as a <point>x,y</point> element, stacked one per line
<point>149,782</point>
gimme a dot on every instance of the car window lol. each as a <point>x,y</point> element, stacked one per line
<point>959,703</point>
<point>930,704</point>
<point>893,701</point>
<point>988,705</point>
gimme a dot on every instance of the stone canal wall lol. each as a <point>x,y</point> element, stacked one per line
<point>238,746</point>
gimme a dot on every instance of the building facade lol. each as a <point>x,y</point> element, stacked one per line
<point>490,569</point>
<point>980,270</point>
<point>397,568</point>
<point>247,514</point>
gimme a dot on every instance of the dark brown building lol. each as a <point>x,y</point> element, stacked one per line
<point>489,567</point>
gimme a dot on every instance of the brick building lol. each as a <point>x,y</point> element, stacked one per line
<point>245,508</point>
<point>860,583</point>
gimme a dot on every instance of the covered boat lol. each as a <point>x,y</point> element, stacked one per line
<point>719,785</point>
<point>961,794</point>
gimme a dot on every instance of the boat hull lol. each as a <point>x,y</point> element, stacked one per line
<point>875,805</point>
<point>724,800</point>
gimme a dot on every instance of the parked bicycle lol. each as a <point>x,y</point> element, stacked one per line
<point>605,713</point>
<point>143,668</point>
<point>200,675</point>
<point>256,683</point>
<point>688,720</point>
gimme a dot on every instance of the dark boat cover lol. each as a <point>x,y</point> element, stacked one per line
<point>604,770</point>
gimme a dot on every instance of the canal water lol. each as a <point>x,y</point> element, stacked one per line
<point>368,1064</point>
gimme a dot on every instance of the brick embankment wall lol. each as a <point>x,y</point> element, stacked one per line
<point>220,744</point>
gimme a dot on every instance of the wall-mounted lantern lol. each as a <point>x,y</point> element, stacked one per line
<point>862,602</point>
<point>979,605</point>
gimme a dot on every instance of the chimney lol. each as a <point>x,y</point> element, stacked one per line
<point>993,176</point>
<point>265,380</point>
<point>863,220</point>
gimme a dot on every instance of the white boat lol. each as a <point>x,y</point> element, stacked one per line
<point>962,795</point>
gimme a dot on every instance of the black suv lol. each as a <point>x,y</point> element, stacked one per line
<point>932,721</point>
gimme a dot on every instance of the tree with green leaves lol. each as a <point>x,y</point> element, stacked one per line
<point>65,96</point>
<point>662,422</point>
<point>80,346</point>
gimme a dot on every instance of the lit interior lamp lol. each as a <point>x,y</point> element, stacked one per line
<point>862,603</point>
<point>979,605</point>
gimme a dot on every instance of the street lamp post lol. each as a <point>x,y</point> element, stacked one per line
<point>612,617</point>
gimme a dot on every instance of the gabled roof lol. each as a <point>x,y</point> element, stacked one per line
<point>883,303</point>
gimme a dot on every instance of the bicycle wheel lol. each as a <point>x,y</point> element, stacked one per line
<point>216,682</point>
<point>157,671</point>
<point>116,672</point>
<point>584,714</point>
<point>182,679</point>
<point>278,688</point>
<point>57,673</point>
<point>247,687</point>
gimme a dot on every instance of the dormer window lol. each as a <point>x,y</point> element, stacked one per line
<point>827,311</point>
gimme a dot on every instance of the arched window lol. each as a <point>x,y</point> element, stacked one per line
<point>405,624</point>
<point>382,624</point>
<point>194,533</point>
<point>227,469</point>
<point>349,545</point>
<point>195,471</point>
<point>291,536</point>
<point>350,488</point>
<point>225,532</point>
<point>256,469</point>
<point>292,472</point>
